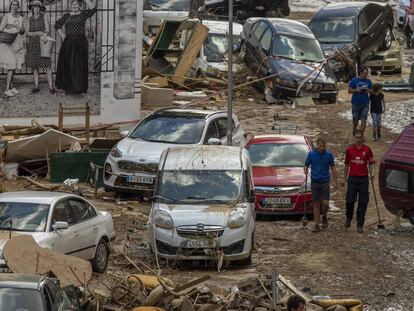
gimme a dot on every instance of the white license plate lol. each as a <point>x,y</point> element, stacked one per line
<point>277,201</point>
<point>375,63</point>
<point>313,95</point>
<point>199,244</point>
<point>140,179</point>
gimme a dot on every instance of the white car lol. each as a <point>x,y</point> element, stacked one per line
<point>132,164</point>
<point>59,221</point>
<point>401,11</point>
<point>204,204</point>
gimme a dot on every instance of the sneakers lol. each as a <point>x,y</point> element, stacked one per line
<point>360,229</point>
<point>347,223</point>
<point>324,222</point>
<point>9,93</point>
<point>14,91</point>
<point>316,229</point>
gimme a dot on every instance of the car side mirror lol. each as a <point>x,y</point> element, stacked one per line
<point>124,134</point>
<point>214,141</point>
<point>363,35</point>
<point>60,225</point>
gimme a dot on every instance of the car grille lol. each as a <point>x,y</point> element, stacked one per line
<point>377,57</point>
<point>277,190</point>
<point>134,167</point>
<point>276,206</point>
<point>311,87</point>
<point>232,249</point>
<point>200,231</point>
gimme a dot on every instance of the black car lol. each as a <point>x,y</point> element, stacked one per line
<point>33,292</point>
<point>359,29</point>
<point>288,51</point>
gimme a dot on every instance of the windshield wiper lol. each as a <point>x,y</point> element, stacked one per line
<point>168,199</point>
<point>208,199</point>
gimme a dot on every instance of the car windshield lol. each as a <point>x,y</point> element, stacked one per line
<point>168,5</point>
<point>195,186</point>
<point>173,129</point>
<point>334,31</point>
<point>285,155</point>
<point>297,48</point>
<point>217,45</point>
<point>12,299</point>
<point>28,217</point>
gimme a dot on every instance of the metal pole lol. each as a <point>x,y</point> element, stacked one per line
<point>230,77</point>
<point>274,290</point>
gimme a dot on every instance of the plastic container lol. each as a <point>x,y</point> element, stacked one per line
<point>10,170</point>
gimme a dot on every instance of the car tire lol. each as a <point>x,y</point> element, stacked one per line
<point>387,42</point>
<point>100,260</point>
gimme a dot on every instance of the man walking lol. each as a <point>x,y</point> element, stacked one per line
<point>320,160</point>
<point>357,159</point>
<point>360,87</point>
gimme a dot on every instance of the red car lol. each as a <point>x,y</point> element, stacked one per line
<point>279,180</point>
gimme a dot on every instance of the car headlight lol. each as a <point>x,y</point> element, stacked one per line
<point>285,82</point>
<point>116,153</point>
<point>237,219</point>
<point>306,185</point>
<point>163,220</point>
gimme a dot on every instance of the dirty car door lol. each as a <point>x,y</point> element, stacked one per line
<point>60,240</point>
<point>253,48</point>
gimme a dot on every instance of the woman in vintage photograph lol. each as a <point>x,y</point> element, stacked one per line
<point>72,69</point>
<point>37,30</point>
<point>11,46</point>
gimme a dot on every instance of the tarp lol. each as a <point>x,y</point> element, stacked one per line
<point>34,147</point>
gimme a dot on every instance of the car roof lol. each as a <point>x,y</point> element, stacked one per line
<point>203,157</point>
<point>278,138</point>
<point>402,150</point>
<point>288,26</point>
<point>190,112</point>
<point>15,280</point>
<point>341,10</point>
<point>37,197</point>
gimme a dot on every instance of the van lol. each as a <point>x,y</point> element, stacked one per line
<point>396,175</point>
<point>203,205</point>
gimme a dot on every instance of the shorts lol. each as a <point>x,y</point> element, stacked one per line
<point>376,119</point>
<point>320,191</point>
<point>359,112</point>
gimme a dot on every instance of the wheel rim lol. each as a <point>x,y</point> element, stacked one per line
<point>387,39</point>
<point>101,256</point>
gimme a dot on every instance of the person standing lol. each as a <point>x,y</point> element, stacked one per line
<point>37,30</point>
<point>72,68</point>
<point>360,87</point>
<point>409,24</point>
<point>377,109</point>
<point>320,160</point>
<point>358,165</point>
<point>12,54</point>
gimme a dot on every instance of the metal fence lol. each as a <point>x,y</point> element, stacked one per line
<point>100,32</point>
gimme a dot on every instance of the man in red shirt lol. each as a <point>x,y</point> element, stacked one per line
<point>357,158</point>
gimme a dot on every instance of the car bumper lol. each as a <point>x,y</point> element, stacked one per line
<point>323,96</point>
<point>387,65</point>
<point>296,207</point>
<point>235,244</point>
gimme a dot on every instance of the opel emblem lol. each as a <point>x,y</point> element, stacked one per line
<point>276,190</point>
<point>200,227</point>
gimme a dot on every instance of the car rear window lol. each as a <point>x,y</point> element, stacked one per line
<point>334,30</point>
<point>287,155</point>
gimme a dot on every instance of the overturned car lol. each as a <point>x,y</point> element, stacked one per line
<point>288,52</point>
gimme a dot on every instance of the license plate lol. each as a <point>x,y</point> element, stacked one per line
<point>277,201</point>
<point>199,244</point>
<point>313,95</point>
<point>375,63</point>
<point>140,179</point>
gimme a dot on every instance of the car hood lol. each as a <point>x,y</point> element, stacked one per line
<point>298,70</point>
<point>4,236</point>
<point>193,214</point>
<point>140,149</point>
<point>278,176</point>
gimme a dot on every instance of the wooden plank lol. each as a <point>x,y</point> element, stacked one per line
<point>293,288</point>
<point>190,53</point>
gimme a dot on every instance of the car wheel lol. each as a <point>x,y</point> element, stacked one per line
<point>386,44</point>
<point>100,261</point>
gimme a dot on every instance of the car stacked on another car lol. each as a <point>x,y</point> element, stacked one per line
<point>280,184</point>
<point>288,51</point>
<point>59,221</point>
<point>132,164</point>
<point>359,29</point>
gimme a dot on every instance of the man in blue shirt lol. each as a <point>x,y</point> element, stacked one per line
<point>320,160</point>
<point>360,87</point>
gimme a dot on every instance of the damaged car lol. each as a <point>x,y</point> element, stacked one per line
<point>59,221</point>
<point>288,52</point>
<point>132,164</point>
<point>203,205</point>
<point>351,32</point>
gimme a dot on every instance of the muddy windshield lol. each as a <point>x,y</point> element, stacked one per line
<point>28,217</point>
<point>12,299</point>
<point>172,129</point>
<point>168,5</point>
<point>199,186</point>
<point>285,155</point>
<point>334,31</point>
<point>297,48</point>
<point>216,46</point>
